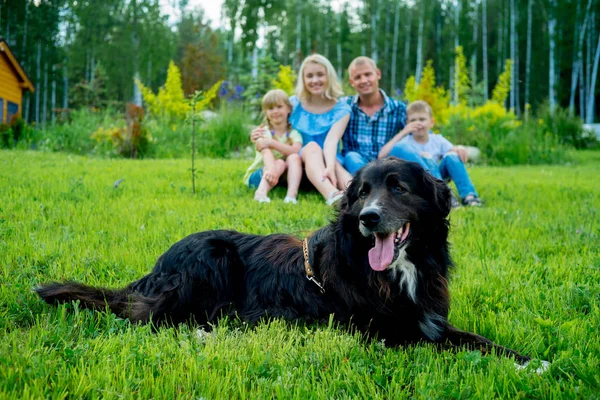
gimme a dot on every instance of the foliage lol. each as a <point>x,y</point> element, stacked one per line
<point>525,277</point>
<point>285,80</point>
<point>436,96</point>
<point>170,102</point>
<point>92,94</point>
<point>13,132</point>
<point>231,92</point>
<point>462,82</point>
<point>257,87</point>
<point>568,128</point>
<point>202,62</point>
<point>502,88</point>
<point>225,133</point>
<point>131,141</point>
<point>501,137</point>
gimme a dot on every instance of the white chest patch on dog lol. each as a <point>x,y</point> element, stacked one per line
<point>408,280</point>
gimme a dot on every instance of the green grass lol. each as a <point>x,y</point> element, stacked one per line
<point>527,277</point>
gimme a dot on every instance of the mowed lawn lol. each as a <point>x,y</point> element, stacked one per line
<point>527,276</point>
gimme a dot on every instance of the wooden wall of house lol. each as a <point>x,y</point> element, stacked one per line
<point>10,87</point>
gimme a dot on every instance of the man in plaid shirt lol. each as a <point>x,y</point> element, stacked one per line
<point>375,117</point>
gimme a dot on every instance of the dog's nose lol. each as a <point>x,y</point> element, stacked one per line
<point>370,218</point>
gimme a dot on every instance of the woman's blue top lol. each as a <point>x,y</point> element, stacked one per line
<point>315,127</point>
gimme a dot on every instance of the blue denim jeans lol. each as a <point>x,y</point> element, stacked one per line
<point>255,178</point>
<point>449,168</point>
<point>354,161</point>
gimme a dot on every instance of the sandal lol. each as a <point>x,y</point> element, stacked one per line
<point>472,201</point>
<point>289,199</point>
<point>262,198</point>
<point>334,197</point>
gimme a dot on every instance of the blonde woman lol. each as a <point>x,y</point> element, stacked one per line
<point>321,120</point>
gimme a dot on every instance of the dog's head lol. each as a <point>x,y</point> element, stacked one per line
<point>395,203</point>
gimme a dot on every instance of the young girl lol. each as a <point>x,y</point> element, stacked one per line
<point>321,119</point>
<point>277,147</point>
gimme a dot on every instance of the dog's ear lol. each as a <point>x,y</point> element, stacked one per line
<point>440,192</point>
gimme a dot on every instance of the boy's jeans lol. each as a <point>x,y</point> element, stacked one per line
<point>450,168</point>
<point>354,161</point>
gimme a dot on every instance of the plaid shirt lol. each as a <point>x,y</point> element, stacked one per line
<point>367,135</point>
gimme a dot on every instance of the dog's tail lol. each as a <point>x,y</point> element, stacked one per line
<point>118,301</point>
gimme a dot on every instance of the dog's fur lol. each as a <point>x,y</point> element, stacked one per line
<point>383,262</point>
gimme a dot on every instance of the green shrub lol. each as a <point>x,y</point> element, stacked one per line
<point>502,138</point>
<point>568,128</point>
<point>224,134</point>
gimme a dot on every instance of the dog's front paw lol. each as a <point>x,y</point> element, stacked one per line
<point>540,366</point>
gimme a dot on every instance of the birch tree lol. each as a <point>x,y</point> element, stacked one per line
<point>407,44</point>
<point>577,65</point>
<point>374,22</point>
<point>513,54</point>
<point>528,52</point>
<point>552,49</point>
<point>589,114</point>
<point>420,46</point>
<point>395,47</point>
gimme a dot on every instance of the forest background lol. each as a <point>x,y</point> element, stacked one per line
<point>87,55</point>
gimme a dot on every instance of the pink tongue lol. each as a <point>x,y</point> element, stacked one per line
<point>380,256</point>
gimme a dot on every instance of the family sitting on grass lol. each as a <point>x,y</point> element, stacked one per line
<point>306,129</point>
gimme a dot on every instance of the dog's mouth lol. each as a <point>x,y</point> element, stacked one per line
<point>387,247</point>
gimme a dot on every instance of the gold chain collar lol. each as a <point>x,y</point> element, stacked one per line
<point>308,269</point>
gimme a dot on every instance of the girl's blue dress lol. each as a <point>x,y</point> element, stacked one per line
<point>315,127</point>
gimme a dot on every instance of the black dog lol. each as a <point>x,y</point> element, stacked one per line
<point>381,265</point>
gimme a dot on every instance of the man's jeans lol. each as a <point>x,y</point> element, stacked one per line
<point>354,161</point>
<point>450,168</point>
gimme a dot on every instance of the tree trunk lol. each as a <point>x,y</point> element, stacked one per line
<point>578,53</point>
<point>137,94</point>
<point>255,62</point>
<point>308,42</point>
<point>45,104</point>
<point>528,53</point>
<point>513,53</point>
<point>484,45</point>
<point>589,119</point>
<point>374,21</point>
<point>500,51</point>
<point>406,45</point>
<point>326,34</point>
<point>339,44</point>
<point>53,98</point>
<point>65,85</point>
<point>38,83</point>
<point>552,66</point>
<point>298,58</point>
<point>438,41</point>
<point>395,47</point>
<point>475,47</point>
<point>386,47</point>
<point>24,50</point>
<point>7,36</point>
<point>420,47</point>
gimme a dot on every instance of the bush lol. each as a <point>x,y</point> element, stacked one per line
<point>568,128</point>
<point>224,134</point>
<point>502,139</point>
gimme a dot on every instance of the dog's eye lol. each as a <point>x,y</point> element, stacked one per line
<point>363,194</point>
<point>398,189</point>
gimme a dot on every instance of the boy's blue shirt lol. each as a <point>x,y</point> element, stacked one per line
<point>437,145</point>
<point>367,135</point>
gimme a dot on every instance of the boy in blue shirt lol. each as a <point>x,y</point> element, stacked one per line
<point>435,153</point>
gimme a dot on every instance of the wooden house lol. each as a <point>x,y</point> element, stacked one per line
<point>13,82</point>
